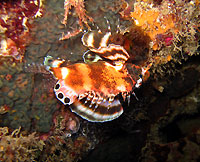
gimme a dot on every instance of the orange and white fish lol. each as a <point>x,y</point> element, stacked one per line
<point>92,88</point>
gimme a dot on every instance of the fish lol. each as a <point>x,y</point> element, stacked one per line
<point>91,89</point>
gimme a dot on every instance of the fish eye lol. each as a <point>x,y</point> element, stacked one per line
<point>60,95</point>
<point>57,86</point>
<point>50,60</point>
<point>67,100</point>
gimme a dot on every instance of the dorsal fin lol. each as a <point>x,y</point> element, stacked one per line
<point>112,52</point>
<point>95,39</point>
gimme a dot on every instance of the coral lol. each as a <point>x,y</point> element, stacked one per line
<point>60,148</point>
<point>65,141</point>
<point>164,22</point>
<point>80,11</point>
<point>157,22</point>
<point>18,147</point>
<point>153,21</point>
<point>172,27</point>
<point>66,122</point>
<point>15,22</point>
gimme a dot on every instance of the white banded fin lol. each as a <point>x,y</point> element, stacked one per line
<point>114,53</point>
<point>95,39</point>
<point>103,111</point>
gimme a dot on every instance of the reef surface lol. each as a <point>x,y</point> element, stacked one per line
<point>160,124</point>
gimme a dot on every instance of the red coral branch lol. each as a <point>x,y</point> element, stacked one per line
<point>80,11</point>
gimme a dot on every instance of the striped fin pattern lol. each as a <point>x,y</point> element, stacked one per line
<point>95,39</point>
<point>112,52</point>
<point>100,44</point>
<point>97,112</point>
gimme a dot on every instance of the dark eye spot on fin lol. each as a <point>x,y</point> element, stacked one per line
<point>60,95</point>
<point>57,86</point>
<point>66,100</point>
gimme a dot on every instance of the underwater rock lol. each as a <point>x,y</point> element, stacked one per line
<point>183,82</point>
